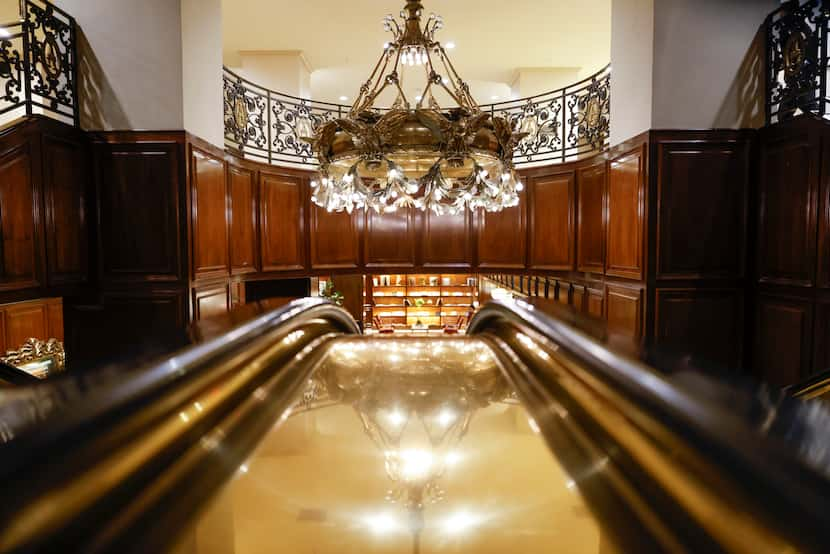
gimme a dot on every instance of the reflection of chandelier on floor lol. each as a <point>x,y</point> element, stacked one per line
<point>420,154</point>
<point>415,401</point>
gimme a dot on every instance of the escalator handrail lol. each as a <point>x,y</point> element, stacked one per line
<point>123,446</point>
<point>786,492</point>
<point>812,387</point>
<point>22,409</point>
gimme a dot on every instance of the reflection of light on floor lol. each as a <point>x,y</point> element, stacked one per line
<point>446,417</point>
<point>459,522</point>
<point>382,524</point>
<point>396,418</point>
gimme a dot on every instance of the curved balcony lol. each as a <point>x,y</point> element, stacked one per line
<point>564,124</point>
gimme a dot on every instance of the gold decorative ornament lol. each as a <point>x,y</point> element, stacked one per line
<point>240,113</point>
<point>794,50</point>
<point>51,57</point>
<point>415,153</point>
<point>38,357</point>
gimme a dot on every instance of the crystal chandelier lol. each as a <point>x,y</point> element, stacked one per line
<point>416,153</point>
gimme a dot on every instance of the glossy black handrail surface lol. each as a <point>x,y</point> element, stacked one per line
<point>166,435</point>
<point>764,468</point>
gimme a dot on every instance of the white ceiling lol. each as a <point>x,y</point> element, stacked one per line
<point>342,40</point>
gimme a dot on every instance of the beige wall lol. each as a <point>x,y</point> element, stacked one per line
<point>9,11</point>
<point>708,63</point>
<point>286,71</point>
<point>530,81</point>
<point>131,57</point>
<point>632,35</point>
<point>202,69</point>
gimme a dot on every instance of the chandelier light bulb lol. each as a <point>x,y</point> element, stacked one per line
<point>520,186</point>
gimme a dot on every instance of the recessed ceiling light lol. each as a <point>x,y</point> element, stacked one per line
<point>494,97</point>
<point>344,98</point>
<point>4,32</point>
<point>449,45</point>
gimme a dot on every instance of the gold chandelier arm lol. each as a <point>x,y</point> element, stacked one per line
<point>428,71</point>
<point>462,90</point>
<point>364,96</point>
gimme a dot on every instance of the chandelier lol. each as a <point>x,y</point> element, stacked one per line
<point>415,153</point>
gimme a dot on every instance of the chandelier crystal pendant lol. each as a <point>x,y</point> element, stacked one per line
<point>415,153</point>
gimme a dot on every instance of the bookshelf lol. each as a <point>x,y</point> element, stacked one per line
<point>433,300</point>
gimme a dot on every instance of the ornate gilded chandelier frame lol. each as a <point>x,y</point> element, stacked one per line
<point>414,154</point>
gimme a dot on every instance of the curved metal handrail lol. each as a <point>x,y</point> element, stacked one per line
<point>570,122</point>
<point>816,386</point>
<point>166,436</point>
<point>649,451</point>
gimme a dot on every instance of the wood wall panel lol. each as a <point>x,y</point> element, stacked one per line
<point>282,236</point>
<point>821,337</point>
<point>783,339</point>
<point>25,320</point>
<point>151,312</point>
<point>707,323</point>
<point>351,287</point>
<point>40,319</point>
<point>211,300</point>
<point>551,203</point>
<point>447,240</point>
<point>590,221</point>
<point>65,178</point>
<point>335,239</point>
<point>140,212</point>
<point>54,318</point>
<point>626,200</point>
<point>563,292</point>
<point>502,237</point>
<point>390,239</point>
<point>578,297</point>
<point>595,304</point>
<point>243,224</point>
<point>787,210</point>
<point>702,203</point>
<point>209,205</point>
<point>624,310</point>
<point>19,217</point>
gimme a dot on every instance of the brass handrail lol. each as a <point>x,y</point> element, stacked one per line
<point>158,441</point>
<point>667,468</point>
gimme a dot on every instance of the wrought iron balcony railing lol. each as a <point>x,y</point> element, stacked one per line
<point>796,60</point>
<point>563,124</point>
<point>38,64</point>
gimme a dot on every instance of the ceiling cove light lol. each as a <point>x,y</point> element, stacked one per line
<point>416,153</point>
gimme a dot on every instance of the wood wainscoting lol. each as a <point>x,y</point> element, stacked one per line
<point>650,235</point>
<point>791,295</point>
<point>147,231</point>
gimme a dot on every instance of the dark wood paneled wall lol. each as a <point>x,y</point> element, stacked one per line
<point>45,235</point>
<point>651,235</point>
<point>792,251</point>
<point>699,204</point>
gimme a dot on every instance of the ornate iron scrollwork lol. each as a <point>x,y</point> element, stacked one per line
<point>38,63</point>
<point>796,68</point>
<point>11,71</point>
<point>590,112</point>
<point>245,116</point>
<point>558,126</point>
<point>51,56</point>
